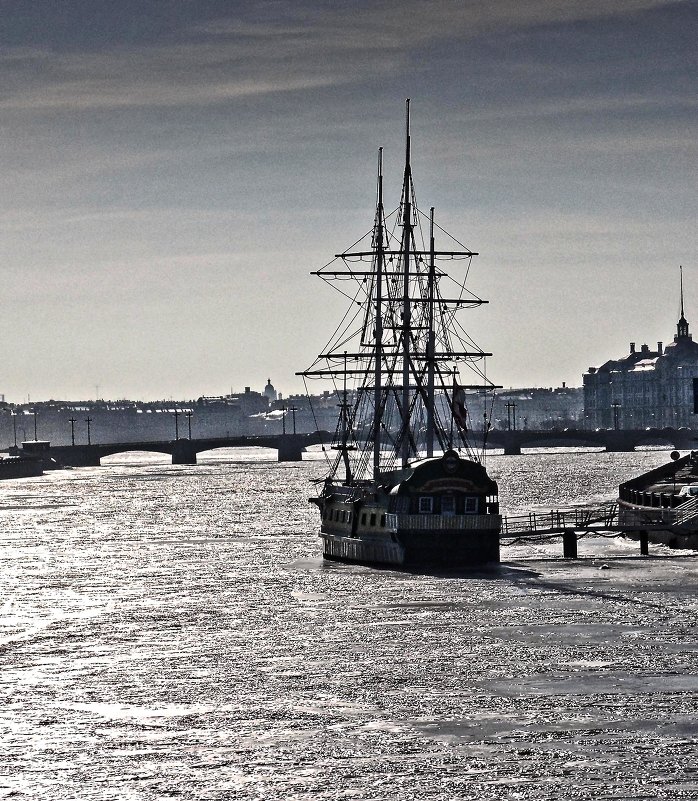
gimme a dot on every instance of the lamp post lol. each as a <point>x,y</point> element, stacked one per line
<point>88,420</point>
<point>616,407</point>
<point>511,414</point>
<point>35,413</point>
<point>293,410</point>
<point>283,420</point>
<point>14,426</point>
<point>189,416</point>
<point>72,422</point>
<point>176,417</point>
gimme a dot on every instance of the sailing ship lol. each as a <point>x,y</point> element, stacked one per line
<point>407,486</point>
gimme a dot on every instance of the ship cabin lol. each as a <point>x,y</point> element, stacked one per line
<point>446,487</point>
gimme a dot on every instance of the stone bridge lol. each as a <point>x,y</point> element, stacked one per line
<point>184,451</point>
<point>609,439</point>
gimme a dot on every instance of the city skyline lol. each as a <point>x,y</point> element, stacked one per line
<point>173,172</point>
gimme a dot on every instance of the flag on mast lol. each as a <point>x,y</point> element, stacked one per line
<point>458,408</point>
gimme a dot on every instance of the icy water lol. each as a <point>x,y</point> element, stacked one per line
<point>171,632</point>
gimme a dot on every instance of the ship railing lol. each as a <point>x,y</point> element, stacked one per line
<point>687,512</point>
<point>559,520</point>
<point>430,522</point>
<point>680,515</point>
<point>641,497</point>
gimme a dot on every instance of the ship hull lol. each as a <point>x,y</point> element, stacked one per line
<point>453,550</point>
<point>20,467</point>
<point>662,504</point>
<point>440,513</point>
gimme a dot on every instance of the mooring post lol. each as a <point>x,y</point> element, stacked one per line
<point>569,543</point>
<point>290,448</point>
<point>644,543</point>
<point>183,452</point>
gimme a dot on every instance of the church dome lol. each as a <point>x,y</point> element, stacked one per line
<point>269,390</point>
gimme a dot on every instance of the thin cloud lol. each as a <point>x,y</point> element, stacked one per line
<point>232,58</point>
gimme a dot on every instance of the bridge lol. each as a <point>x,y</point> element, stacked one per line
<point>616,440</point>
<point>184,451</point>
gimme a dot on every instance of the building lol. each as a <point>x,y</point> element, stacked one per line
<point>647,388</point>
<point>528,408</point>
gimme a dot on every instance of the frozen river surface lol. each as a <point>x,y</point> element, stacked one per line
<point>171,632</point>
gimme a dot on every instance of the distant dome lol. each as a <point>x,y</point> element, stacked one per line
<point>269,391</point>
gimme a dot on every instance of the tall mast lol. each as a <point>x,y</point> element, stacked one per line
<point>406,240</point>
<point>345,427</point>
<point>378,245</point>
<point>431,341</point>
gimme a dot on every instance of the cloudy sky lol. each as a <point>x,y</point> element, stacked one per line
<point>172,170</point>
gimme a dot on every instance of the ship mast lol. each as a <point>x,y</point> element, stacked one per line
<point>377,387</point>
<point>406,239</point>
<point>431,341</point>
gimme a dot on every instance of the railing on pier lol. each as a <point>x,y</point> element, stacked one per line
<point>606,518</point>
<point>557,521</point>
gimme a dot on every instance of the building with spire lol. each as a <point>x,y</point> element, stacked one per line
<point>647,388</point>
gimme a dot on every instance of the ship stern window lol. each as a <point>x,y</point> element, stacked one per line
<point>470,506</point>
<point>426,505</point>
<point>448,505</point>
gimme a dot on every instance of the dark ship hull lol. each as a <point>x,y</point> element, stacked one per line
<point>20,467</point>
<point>441,512</point>
<point>663,503</point>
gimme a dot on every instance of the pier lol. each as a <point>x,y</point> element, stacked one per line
<point>572,524</point>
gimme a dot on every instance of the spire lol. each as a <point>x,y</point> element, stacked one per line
<point>682,325</point>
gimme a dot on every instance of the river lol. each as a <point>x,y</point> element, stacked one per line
<point>171,632</point>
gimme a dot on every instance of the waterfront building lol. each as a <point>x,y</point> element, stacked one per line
<point>646,388</point>
<point>527,408</point>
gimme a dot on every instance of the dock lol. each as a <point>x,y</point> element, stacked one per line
<point>572,524</point>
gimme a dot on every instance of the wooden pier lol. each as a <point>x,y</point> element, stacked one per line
<point>571,524</point>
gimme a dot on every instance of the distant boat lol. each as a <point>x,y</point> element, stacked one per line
<point>663,503</point>
<point>406,486</point>
<point>20,467</point>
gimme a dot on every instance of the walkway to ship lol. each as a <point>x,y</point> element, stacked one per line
<point>572,524</point>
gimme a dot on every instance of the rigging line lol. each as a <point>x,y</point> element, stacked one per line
<point>449,235</point>
<point>333,283</point>
<point>343,325</point>
<point>317,427</point>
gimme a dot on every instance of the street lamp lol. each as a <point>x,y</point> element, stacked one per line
<point>176,417</point>
<point>88,420</point>
<point>72,422</point>
<point>189,416</point>
<point>616,407</point>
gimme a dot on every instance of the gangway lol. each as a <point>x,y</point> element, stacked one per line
<point>569,523</point>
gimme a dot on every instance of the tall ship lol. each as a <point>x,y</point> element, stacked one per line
<point>406,485</point>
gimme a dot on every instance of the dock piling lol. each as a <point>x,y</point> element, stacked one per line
<point>569,544</point>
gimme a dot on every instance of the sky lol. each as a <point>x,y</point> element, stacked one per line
<point>173,170</point>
